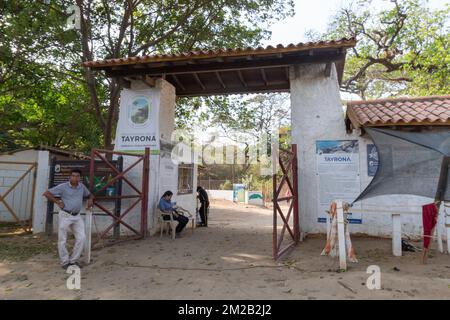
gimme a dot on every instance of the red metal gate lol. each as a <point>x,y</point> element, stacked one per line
<point>287,160</point>
<point>140,196</point>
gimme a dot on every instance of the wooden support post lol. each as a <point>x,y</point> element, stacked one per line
<point>145,189</point>
<point>88,231</point>
<point>149,81</point>
<point>328,226</point>
<point>295,194</point>
<point>274,200</point>
<point>50,205</point>
<point>396,235</point>
<point>341,235</point>
<point>124,82</point>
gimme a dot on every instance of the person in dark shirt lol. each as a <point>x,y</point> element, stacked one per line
<point>202,195</point>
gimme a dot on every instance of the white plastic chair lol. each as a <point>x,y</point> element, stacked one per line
<point>172,224</point>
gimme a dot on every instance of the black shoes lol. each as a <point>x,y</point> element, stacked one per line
<point>76,263</point>
<point>67,265</point>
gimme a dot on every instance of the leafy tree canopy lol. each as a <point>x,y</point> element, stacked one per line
<point>38,49</point>
<point>403,48</point>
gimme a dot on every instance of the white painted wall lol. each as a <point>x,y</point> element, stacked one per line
<point>221,194</point>
<point>40,203</point>
<point>317,114</point>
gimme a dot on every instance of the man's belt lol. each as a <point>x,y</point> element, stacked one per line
<point>72,213</point>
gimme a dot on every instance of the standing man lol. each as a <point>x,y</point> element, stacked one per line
<point>202,195</point>
<point>71,195</point>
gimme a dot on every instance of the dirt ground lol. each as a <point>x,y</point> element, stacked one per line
<point>231,259</point>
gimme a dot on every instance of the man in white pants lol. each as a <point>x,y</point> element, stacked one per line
<point>71,195</point>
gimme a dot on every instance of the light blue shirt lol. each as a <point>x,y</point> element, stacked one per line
<point>165,205</point>
<point>70,195</point>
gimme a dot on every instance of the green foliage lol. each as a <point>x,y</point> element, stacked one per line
<point>43,88</point>
<point>42,100</point>
<point>227,185</point>
<point>403,48</point>
<point>254,115</point>
<point>48,115</point>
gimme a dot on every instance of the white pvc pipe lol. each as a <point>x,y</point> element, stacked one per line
<point>439,234</point>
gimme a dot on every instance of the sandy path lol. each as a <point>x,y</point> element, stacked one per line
<point>236,252</point>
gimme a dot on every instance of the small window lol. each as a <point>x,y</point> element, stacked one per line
<point>185,178</point>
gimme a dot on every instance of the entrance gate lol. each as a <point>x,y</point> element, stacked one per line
<point>141,194</point>
<point>287,160</point>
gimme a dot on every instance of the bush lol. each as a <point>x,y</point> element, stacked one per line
<point>227,185</point>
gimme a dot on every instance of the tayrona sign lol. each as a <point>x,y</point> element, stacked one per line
<point>138,126</point>
<point>132,138</point>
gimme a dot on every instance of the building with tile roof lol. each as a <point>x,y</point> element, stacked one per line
<point>420,111</point>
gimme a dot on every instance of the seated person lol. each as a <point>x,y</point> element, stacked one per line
<point>165,205</point>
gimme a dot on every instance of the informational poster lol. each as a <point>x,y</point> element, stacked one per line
<point>372,160</point>
<point>238,192</point>
<point>102,174</point>
<point>338,174</point>
<point>61,170</point>
<point>137,127</point>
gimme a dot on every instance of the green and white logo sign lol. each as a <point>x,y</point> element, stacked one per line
<point>137,127</point>
<point>139,111</point>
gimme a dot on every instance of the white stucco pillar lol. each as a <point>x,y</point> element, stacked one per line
<point>147,119</point>
<point>317,114</point>
<point>40,203</point>
<point>146,116</point>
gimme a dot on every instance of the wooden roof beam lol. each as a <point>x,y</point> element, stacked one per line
<point>178,82</point>
<point>272,88</point>
<point>200,83</point>
<point>264,76</point>
<point>241,78</point>
<point>227,66</point>
<point>220,79</point>
<point>124,82</point>
<point>151,82</point>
